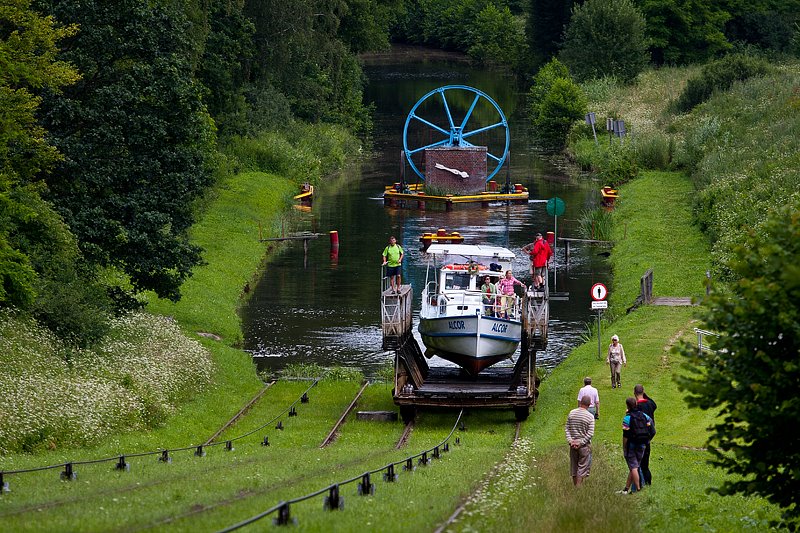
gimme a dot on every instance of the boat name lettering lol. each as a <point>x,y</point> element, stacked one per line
<point>456,324</point>
<point>500,328</point>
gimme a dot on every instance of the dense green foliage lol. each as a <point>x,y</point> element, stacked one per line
<point>135,136</point>
<point>547,20</point>
<point>751,375</point>
<point>112,114</point>
<point>720,75</point>
<point>297,51</point>
<point>766,24</point>
<point>743,151</point>
<point>605,38</point>
<point>28,46</point>
<point>683,31</point>
<point>487,30</point>
<point>555,103</point>
<point>222,69</point>
<point>41,268</point>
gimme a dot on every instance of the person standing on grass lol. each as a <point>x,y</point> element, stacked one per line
<point>645,404</point>
<point>594,397</point>
<point>579,431</point>
<point>393,258</point>
<point>637,430</point>
<point>616,359</point>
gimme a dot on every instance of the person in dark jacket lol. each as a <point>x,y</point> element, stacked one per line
<point>645,404</point>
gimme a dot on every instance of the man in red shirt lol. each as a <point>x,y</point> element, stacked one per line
<point>540,253</point>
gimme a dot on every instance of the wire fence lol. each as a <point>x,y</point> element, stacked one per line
<point>69,473</point>
<point>333,500</point>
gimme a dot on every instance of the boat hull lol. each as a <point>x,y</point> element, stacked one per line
<point>473,342</point>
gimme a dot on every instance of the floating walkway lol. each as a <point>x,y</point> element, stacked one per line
<point>413,196</point>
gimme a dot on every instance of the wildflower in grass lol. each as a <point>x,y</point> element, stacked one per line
<point>57,395</point>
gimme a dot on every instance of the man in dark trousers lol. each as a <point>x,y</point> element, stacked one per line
<point>645,404</point>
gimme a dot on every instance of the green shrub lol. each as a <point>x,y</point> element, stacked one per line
<point>605,38</point>
<point>586,154</point>
<point>720,75</point>
<point>617,168</point>
<point>600,89</point>
<point>498,36</point>
<point>300,152</point>
<point>556,103</point>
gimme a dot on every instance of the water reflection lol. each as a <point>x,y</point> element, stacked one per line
<point>327,311</point>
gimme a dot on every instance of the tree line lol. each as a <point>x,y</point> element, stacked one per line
<point>113,121</point>
<point>114,116</point>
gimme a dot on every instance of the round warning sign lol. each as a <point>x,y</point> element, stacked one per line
<point>599,292</point>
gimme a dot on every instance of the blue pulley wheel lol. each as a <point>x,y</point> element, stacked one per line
<point>456,116</point>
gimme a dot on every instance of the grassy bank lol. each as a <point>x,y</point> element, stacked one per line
<point>244,205</point>
<point>653,230</point>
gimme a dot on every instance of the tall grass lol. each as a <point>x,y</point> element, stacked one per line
<point>743,149</point>
<point>55,395</point>
<point>596,224</point>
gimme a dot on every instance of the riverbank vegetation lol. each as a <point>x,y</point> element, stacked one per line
<point>117,138</point>
<point>739,149</point>
<point>144,145</point>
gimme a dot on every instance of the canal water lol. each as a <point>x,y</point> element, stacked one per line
<point>315,308</point>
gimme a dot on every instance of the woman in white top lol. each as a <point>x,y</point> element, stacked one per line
<point>616,359</point>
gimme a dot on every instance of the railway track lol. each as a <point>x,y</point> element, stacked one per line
<point>460,509</point>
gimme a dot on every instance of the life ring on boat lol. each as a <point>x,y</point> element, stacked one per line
<point>473,268</point>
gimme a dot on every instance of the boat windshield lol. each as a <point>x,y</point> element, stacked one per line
<point>456,281</point>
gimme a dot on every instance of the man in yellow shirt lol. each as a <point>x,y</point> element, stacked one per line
<point>393,258</point>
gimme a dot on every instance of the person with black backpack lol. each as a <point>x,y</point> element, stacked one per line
<point>637,430</point>
<point>648,406</point>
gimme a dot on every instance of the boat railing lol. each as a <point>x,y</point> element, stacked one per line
<point>385,283</point>
<point>437,304</point>
<point>503,307</point>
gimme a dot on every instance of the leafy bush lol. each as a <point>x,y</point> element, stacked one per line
<point>618,167</point>
<point>300,152</point>
<point>751,375</point>
<point>498,36</point>
<point>605,38</point>
<point>600,89</point>
<point>556,103</point>
<point>585,153</point>
<point>720,75</point>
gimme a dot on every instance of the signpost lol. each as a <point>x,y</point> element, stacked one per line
<point>599,292</point>
<point>555,208</point>
<point>591,118</point>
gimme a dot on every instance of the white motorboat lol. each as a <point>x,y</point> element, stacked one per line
<point>454,322</point>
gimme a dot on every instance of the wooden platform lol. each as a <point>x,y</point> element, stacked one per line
<point>673,301</point>
<point>396,317</point>
<point>454,381</point>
